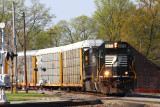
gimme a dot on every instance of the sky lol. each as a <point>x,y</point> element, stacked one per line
<point>67,9</point>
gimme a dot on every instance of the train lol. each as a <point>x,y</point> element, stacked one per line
<point>90,65</point>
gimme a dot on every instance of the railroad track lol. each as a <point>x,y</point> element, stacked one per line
<point>87,99</point>
<point>88,93</point>
<point>134,99</point>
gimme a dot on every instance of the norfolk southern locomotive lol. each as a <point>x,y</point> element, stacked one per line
<point>92,65</point>
<point>110,68</point>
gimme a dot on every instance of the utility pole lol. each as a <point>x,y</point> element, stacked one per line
<point>24,44</point>
<point>50,33</point>
<point>15,46</point>
<point>12,74</point>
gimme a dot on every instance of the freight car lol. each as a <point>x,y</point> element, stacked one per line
<point>92,65</point>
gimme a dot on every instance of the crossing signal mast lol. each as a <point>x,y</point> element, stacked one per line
<point>4,78</point>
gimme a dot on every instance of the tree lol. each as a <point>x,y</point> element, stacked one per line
<point>110,17</point>
<point>151,11</point>
<point>67,32</point>
<point>143,27</point>
<point>84,28</point>
<point>138,24</point>
<point>6,16</point>
<point>56,34</point>
<point>77,29</point>
<point>41,40</point>
<point>37,18</point>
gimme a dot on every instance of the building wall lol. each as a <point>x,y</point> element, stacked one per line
<point>148,74</point>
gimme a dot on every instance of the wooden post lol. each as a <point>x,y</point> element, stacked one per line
<point>15,47</point>
<point>24,45</point>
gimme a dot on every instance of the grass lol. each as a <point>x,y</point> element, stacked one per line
<point>151,93</point>
<point>21,96</point>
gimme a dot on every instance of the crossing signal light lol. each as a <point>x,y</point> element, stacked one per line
<point>10,55</point>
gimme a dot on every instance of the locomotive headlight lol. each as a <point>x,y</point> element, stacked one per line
<point>115,45</point>
<point>126,73</point>
<point>106,73</point>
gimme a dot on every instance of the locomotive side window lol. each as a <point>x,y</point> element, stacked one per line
<point>101,53</point>
<point>129,51</point>
<point>86,58</point>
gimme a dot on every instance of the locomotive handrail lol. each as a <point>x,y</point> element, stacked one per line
<point>99,73</point>
<point>133,69</point>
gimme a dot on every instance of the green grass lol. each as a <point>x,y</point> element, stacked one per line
<point>151,93</point>
<point>21,96</point>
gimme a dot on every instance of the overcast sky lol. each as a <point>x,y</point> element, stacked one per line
<point>67,9</point>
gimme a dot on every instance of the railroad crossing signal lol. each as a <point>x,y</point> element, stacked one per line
<point>10,55</point>
<point>3,77</point>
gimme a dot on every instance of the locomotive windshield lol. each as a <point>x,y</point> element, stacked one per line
<point>116,51</point>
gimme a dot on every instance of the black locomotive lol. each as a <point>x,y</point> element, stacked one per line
<point>109,68</point>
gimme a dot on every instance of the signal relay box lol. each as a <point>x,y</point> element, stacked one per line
<point>4,80</point>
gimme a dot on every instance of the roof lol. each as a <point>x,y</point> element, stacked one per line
<point>28,53</point>
<point>85,43</point>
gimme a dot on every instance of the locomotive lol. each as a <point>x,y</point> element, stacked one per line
<point>91,65</point>
<point>109,68</point>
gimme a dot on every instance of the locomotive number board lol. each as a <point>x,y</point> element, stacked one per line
<point>111,46</point>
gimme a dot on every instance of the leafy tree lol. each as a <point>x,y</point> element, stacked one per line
<point>110,17</point>
<point>41,41</point>
<point>143,27</point>
<point>37,18</point>
<point>67,32</point>
<point>6,16</point>
<point>77,29</point>
<point>56,34</point>
<point>84,28</point>
<point>137,24</point>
